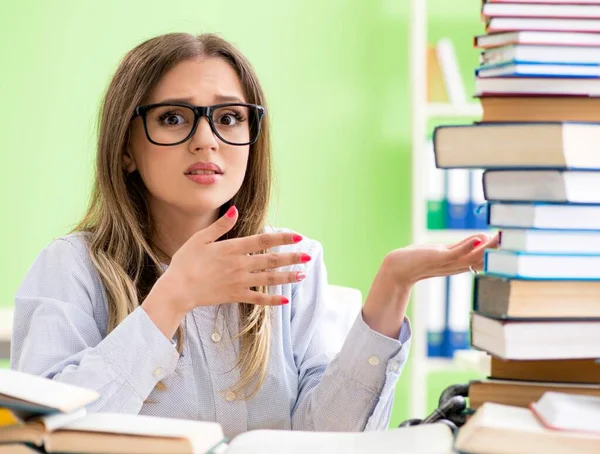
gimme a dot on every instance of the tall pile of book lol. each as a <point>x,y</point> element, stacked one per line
<point>536,309</point>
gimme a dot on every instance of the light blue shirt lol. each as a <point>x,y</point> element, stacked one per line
<point>323,373</point>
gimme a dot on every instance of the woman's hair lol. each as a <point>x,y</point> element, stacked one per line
<point>118,219</point>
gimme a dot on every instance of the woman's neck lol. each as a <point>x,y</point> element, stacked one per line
<point>172,228</point>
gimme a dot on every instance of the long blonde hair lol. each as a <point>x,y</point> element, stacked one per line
<point>118,219</point>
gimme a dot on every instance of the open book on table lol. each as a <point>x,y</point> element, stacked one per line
<point>48,415</point>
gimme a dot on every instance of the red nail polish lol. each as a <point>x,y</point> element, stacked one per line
<point>284,300</point>
<point>231,212</point>
<point>476,243</point>
<point>300,276</point>
<point>296,238</point>
<point>305,258</point>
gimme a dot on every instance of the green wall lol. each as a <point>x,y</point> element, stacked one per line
<point>336,77</point>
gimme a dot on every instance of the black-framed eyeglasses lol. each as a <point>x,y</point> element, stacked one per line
<point>174,123</point>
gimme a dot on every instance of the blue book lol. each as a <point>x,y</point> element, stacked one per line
<point>520,69</point>
<point>556,216</point>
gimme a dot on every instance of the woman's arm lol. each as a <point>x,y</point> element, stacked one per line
<point>56,333</point>
<point>354,389</point>
<point>347,373</point>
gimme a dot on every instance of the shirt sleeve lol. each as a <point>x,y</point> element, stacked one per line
<point>347,373</point>
<point>56,335</point>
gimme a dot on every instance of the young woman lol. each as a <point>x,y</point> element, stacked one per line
<point>173,298</point>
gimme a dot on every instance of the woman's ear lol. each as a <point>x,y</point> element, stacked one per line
<point>128,162</point>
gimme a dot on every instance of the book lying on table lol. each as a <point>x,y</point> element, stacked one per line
<point>36,419</point>
<point>28,395</point>
<point>561,371</point>
<point>52,415</point>
<point>536,338</point>
<point>424,439</point>
<point>521,393</point>
<point>504,429</point>
<point>559,411</point>
<point>517,298</point>
<point>517,145</point>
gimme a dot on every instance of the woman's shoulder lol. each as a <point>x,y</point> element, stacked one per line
<point>64,262</point>
<point>71,248</point>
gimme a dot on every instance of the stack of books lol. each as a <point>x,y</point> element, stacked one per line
<point>42,415</point>
<point>537,307</point>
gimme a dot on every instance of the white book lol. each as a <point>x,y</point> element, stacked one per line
<point>545,54</point>
<point>425,439</point>
<point>542,186</point>
<point>35,394</point>
<point>564,2</point>
<point>527,265</point>
<point>501,24</point>
<point>561,411</point>
<point>551,38</point>
<point>550,241</point>
<point>537,86</point>
<point>494,9</point>
<point>504,429</point>
<point>544,216</point>
<point>516,339</point>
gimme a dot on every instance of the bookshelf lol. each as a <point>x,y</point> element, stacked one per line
<point>421,113</point>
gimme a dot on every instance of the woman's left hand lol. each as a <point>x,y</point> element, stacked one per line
<point>385,307</point>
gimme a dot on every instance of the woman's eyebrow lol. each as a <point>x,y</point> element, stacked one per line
<point>189,100</point>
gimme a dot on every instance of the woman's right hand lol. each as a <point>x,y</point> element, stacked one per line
<point>207,272</point>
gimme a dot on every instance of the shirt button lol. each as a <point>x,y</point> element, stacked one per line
<point>394,366</point>
<point>373,360</point>
<point>157,372</point>
<point>216,337</point>
<point>229,396</point>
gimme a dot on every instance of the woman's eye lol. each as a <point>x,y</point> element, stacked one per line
<point>172,119</point>
<point>228,120</point>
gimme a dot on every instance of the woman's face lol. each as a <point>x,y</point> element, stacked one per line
<point>198,176</point>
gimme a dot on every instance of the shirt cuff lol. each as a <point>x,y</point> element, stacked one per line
<point>141,370</point>
<point>367,356</point>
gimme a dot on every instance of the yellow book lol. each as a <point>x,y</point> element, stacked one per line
<point>8,418</point>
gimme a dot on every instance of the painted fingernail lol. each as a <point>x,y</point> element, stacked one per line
<point>300,276</point>
<point>231,212</point>
<point>296,238</point>
<point>284,300</point>
<point>305,258</point>
<point>476,243</point>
